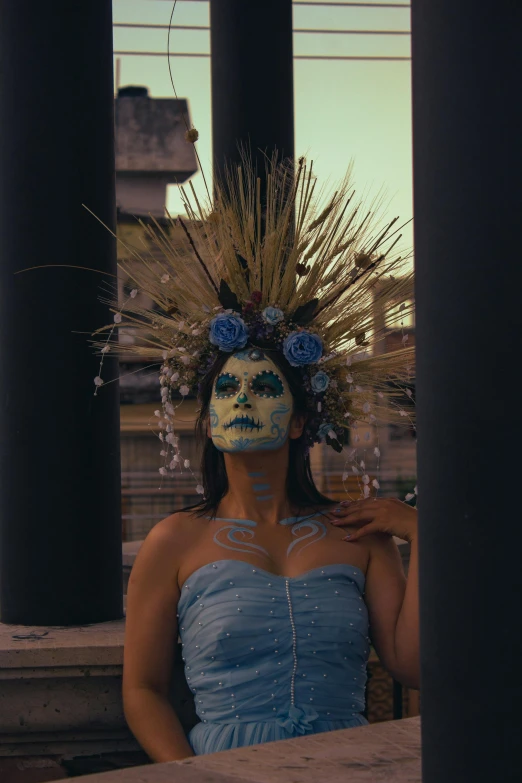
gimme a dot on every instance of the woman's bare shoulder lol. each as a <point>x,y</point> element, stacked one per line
<point>168,541</point>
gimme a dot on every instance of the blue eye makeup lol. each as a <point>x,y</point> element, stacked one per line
<point>227,385</point>
<point>267,384</point>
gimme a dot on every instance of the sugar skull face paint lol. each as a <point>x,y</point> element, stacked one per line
<point>251,404</point>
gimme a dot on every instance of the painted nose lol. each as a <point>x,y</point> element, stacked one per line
<point>242,400</point>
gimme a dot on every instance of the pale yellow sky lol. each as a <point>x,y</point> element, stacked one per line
<point>344,110</point>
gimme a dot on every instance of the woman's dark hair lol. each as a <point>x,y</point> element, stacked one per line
<point>300,486</point>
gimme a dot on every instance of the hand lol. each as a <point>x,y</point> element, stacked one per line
<point>376,515</point>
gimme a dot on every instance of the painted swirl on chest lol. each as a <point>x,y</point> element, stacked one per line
<point>310,531</point>
<point>239,536</point>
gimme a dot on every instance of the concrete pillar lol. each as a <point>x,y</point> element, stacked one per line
<point>467,127</point>
<point>60,522</point>
<point>252,79</point>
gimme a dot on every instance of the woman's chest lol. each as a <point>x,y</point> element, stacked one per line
<point>289,549</point>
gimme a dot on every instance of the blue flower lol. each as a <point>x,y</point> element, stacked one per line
<point>228,332</point>
<point>272,315</point>
<point>302,348</point>
<point>323,430</point>
<point>320,382</point>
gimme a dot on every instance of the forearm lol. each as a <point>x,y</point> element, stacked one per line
<point>407,628</point>
<point>155,725</point>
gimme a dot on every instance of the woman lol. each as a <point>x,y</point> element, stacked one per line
<point>273,602</point>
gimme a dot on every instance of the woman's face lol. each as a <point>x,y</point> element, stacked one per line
<point>251,404</point>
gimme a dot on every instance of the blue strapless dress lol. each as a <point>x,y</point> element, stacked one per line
<point>271,657</point>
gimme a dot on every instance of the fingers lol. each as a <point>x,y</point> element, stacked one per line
<point>366,530</point>
<point>356,516</point>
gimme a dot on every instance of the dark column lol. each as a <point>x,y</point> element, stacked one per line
<point>467,131</point>
<point>60,542</point>
<point>252,79</point>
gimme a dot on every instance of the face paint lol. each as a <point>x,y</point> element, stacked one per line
<point>317,532</point>
<point>238,536</point>
<point>251,405</point>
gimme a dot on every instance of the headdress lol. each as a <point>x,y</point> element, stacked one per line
<point>316,278</point>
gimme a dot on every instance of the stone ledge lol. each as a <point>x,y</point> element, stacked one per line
<point>86,645</point>
<point>60,693</point>
<point>371,754</point>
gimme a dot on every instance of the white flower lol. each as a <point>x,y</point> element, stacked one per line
<point>170,438</point>
<point>165,278</point>
<point>347,414</point>
<point>377,451</point>
<point>185,360</point>
<point>184,390</point>
<point>415,489</point>
<point>175,377</point>
<point>195,332</point>
<point>180,325</point>
<point>402,413</point>
<point>117,318</point>
<point>186,463</point>
<point>174,462</point>
<point>366,407</point>
<point>98,381</point>
<point>332,435</point>
<point>169,407</point>
<point>409,392</point>
<point>134,293</point>
<point>376,484</point>
<point>355,469</point>
<point>362,464</point>
<point>181,349</point>
<point>345,476</point>
<point>200,489</point>
<point>158,414</point>
<point>163,471</point>
<point>163,453</point>
<point>161,437</point>
<point>366,491</point>
<point>106,349</point>
<point>409,496</point>
<point>349,378</point>
<point>164,392</point>
<point>164,354</point>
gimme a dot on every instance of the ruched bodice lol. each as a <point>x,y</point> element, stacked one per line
<point>269,657</point>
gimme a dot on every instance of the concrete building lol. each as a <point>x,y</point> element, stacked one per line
<point>151,150</point>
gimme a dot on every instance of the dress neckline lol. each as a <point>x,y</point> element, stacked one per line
<point>263,571</point>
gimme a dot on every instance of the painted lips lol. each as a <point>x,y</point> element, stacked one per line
<point>243,423</point>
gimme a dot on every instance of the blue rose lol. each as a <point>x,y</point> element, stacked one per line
<point>302,348</point>
<point>320,382</point>
<point>272,315</point>
<point>228,332</point>
<point>323,430</point>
